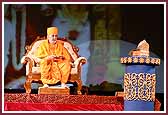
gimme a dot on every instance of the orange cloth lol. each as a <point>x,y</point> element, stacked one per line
<point>52,72</point>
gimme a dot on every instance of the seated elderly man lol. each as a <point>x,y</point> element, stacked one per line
<point>55,59</point>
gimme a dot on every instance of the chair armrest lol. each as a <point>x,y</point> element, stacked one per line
<point>30,62</point>
<point>26,59</point>
<point>80,61</point>
<point>30,58</point>
<point>76,66</point>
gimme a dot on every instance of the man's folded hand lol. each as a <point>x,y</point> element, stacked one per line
<point>55,58</point>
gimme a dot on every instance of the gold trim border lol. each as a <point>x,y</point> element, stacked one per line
<point>140,60</point>
<point>139,86</point>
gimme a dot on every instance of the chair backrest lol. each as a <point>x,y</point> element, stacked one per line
<point>34,47</point>
<point>73,50</point>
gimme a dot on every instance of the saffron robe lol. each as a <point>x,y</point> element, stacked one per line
<point>53,71</point>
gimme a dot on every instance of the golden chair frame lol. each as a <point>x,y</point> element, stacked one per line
<point>33,68</point>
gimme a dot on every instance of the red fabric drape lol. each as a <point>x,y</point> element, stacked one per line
<point>39,102</point>
<point>61,107</point>
<point>36,102</point>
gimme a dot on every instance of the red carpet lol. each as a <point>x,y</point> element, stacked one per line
<point>36,102</point>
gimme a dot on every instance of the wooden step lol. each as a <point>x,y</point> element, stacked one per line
<point>54,90</point>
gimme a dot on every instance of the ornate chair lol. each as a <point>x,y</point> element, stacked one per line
<point>33,68</point>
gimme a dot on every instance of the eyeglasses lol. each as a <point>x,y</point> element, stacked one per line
<point>53,36</point>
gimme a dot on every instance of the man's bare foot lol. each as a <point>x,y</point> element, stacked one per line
<point>45,85</point>
<point>63,85</point>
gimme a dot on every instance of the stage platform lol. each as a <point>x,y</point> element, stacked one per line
<point>50,102</point>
